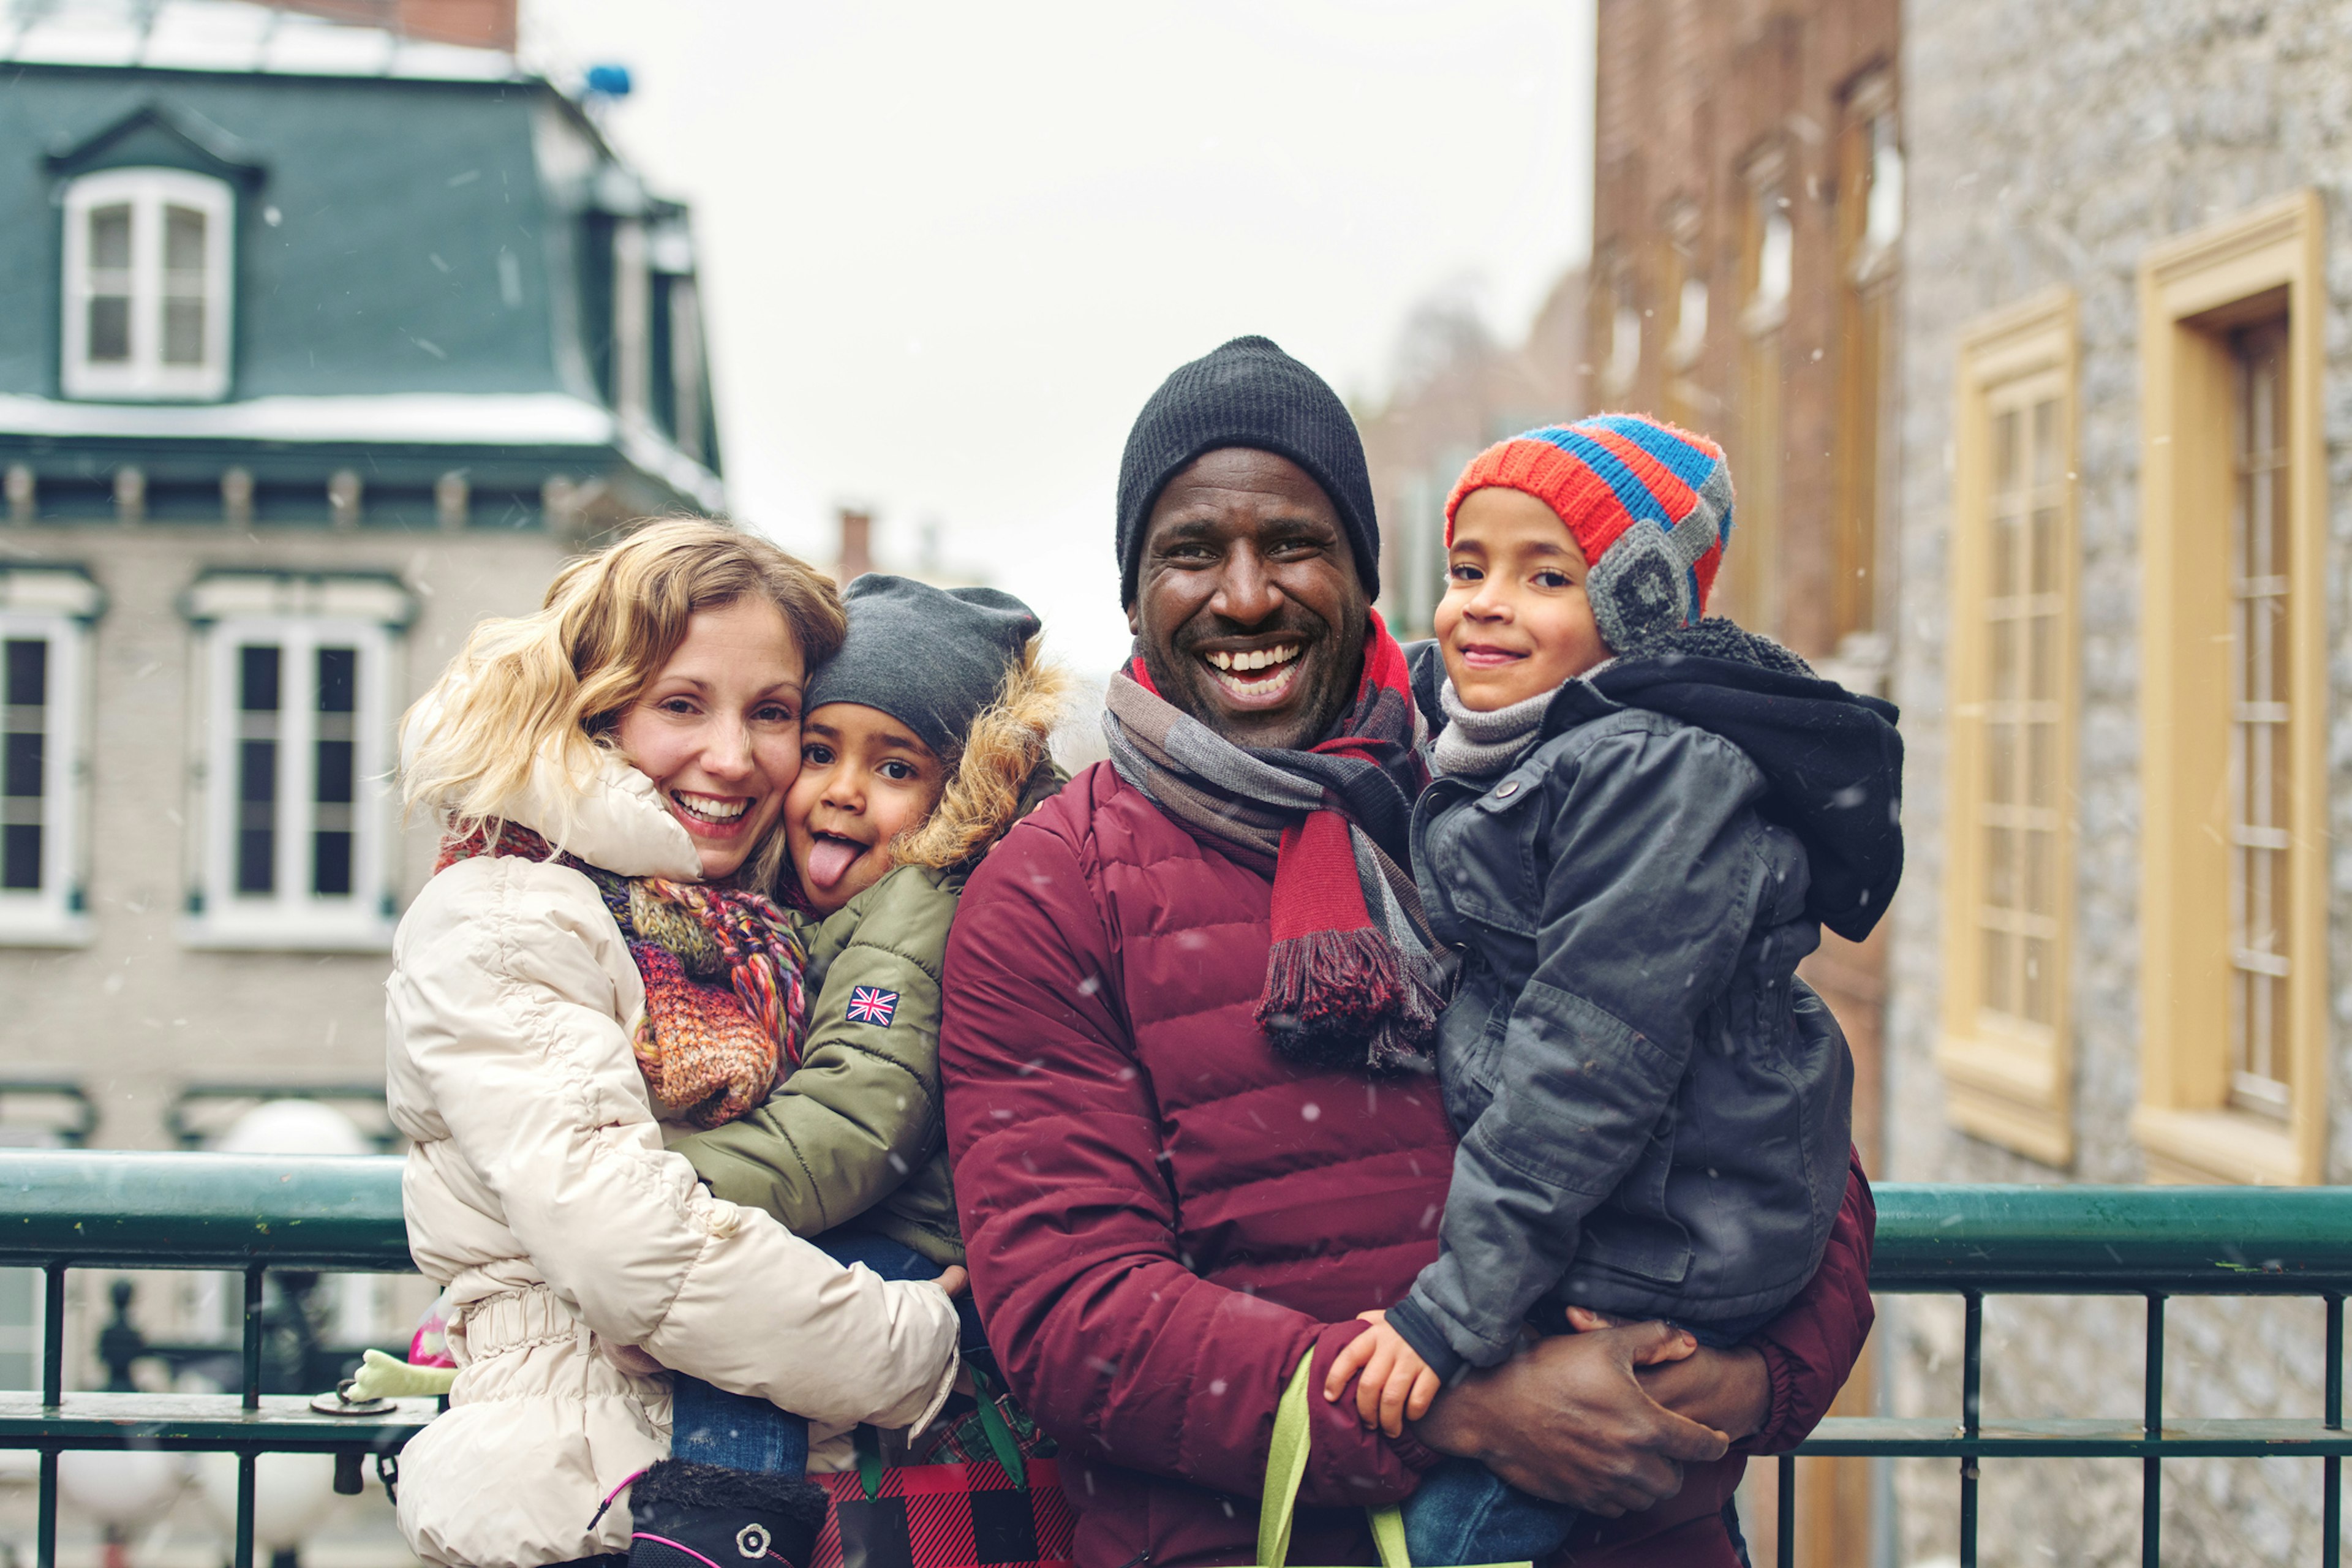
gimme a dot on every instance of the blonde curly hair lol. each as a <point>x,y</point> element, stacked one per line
<point>550,686</point>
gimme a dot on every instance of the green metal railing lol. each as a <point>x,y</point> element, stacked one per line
<point>65,1209</point>
<point>2150,1242</point>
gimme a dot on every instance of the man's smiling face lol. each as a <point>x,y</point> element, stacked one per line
<point>1247,603</point>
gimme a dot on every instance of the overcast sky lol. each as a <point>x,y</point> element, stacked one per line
<point>947,250</point>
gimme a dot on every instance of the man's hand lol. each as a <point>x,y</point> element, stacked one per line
<point>1570,1420</point>
<point>1727,1390</point>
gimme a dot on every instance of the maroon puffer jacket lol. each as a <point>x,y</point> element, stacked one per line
<point>1161,1215</point>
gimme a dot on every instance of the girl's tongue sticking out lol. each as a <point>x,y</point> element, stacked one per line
<point>830,859</point>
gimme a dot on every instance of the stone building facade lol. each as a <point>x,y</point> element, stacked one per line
<point>318,343</point>
<point>2125,458</point>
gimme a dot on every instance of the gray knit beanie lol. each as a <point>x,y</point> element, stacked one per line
<point>1248,393</point>
<point>930,658</point>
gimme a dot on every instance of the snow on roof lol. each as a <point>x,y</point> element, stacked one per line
<point>230,35</point>
<point>396,418</point>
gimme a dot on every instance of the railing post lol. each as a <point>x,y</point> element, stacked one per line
<point>1971,1424</point>
<point>2151,1473</point>
<point>246,1463</point>
<point>53,1336</point>
<point>2331,1468</point>
<point>252,1341</point>
<point>53,1381</point>
<point>45,1552</point>
<point>1784,1525</point>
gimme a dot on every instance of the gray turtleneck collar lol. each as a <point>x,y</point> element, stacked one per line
<point>1480,745</point>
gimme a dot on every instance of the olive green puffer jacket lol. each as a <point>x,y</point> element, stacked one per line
<point>856,1132</point>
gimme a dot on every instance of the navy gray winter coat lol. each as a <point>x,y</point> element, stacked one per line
<point>1653,1108</point>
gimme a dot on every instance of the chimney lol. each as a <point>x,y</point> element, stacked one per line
<point>485,23</point>
<point>856,545</point>
<point>488,23</point>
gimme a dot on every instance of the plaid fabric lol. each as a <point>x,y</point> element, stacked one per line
<point>948,1516</point>
<point>961,1439</point>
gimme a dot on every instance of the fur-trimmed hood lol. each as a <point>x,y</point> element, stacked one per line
<point>1003,771</point>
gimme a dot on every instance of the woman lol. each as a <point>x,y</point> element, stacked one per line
<point>623,756</point>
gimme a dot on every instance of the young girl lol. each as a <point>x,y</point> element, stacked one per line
<point>1641,820</point>
<point>587,969</point>
<point>925,741</point>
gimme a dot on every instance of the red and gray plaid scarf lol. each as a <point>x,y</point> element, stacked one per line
<point>724,999</point>
<point>1349,981</point>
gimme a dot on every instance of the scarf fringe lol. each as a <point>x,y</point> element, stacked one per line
<point>1349,999</point>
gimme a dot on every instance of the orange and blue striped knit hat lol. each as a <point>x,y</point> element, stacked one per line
<point>1649,504</point>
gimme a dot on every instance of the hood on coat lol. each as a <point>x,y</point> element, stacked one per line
<point>613,818</point>
<point>1832,760</point>
<point>609,814</point>
<point>1005,770</point>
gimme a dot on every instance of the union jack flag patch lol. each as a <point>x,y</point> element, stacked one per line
<point>871,1004</point>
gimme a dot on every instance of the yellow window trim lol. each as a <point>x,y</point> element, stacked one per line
<point>2191,290</point>
<point>2003,1081</point>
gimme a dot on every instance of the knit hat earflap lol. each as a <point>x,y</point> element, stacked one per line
<point>930,658</point>
<point>1247,393</point>
<point>1649,504</point>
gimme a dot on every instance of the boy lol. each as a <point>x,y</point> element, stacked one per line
<point>1639,823</point>
<point>925,740</point>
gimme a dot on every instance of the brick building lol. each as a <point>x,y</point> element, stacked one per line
<point>1748,221</point>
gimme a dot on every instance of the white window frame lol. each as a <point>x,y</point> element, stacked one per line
<point>146,377</point>
<point>56,605</point>
<point>299,615</point>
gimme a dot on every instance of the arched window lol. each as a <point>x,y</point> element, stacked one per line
<point>147,296</point>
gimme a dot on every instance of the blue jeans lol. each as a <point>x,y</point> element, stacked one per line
<point>713,1426</point>
<point>1461,1513</point>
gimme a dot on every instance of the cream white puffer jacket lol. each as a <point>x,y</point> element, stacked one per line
<point>582,1257</point>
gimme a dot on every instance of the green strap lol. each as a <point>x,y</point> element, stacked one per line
<point>1286,1467</point>
<point>1285,1471</point>
<point>869,1461</point>
<point>1000,1435</point>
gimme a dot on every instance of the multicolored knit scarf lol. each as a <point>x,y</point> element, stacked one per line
<point>724,999</point>
<point>1349,981</point>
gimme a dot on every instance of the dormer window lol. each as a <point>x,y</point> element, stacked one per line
<point>147,274</point>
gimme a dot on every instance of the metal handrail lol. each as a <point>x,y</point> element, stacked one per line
<point>120,1209</point>
<point>2150,1242</point>
<point>62,1209</point>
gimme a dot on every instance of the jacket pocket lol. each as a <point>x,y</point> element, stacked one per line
<point>1484,854</point>
<point>1469,1039</point>
<point>1635,1233</point>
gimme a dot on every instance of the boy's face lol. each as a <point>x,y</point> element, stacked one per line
<point>1515,621</point>
<point>865,779</point>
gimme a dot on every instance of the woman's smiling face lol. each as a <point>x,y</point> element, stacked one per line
<point>719,730</point>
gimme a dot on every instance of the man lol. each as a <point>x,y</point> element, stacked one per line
<point>1179,1000</point>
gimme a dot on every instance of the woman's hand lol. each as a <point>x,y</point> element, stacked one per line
<point>953,1279</point>
<point>1571,1420</point>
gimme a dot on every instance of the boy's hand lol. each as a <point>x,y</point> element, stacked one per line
<point>1396,1386</point>
<point>1584,1320</point>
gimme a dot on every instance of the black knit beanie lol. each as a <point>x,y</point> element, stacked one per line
<point>930,658</point>
<point>1248,393</point>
